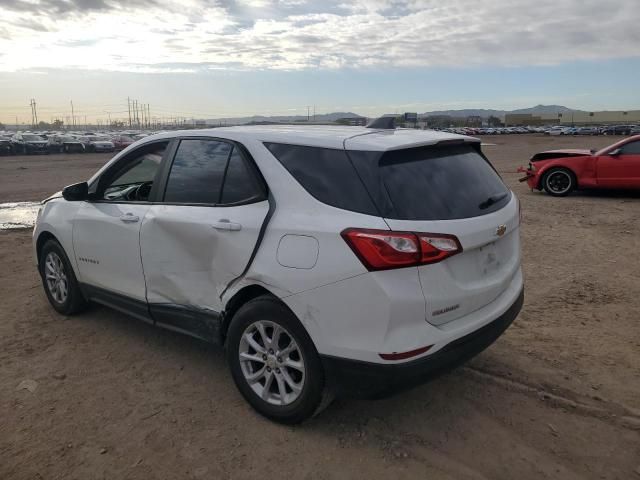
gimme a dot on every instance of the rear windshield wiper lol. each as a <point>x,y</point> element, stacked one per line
<point>492,200</point>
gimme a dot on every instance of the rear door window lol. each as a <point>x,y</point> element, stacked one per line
<point>240,184</point>
<point>211,172</point>
<point>197,172</point>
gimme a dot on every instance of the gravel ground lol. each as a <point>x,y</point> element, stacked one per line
<point>101,395</point>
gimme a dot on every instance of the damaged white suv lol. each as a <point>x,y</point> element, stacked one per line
<point>327,260</point>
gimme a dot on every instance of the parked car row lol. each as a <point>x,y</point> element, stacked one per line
<point>595,130</point>
<point>26,143</point>
<point>492,131</point>
<point>549,130</point>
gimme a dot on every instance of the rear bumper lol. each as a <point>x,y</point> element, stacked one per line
<point>355,378</point>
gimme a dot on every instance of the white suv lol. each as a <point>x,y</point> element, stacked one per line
<point>327,260</point>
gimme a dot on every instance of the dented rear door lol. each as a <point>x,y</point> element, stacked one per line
<point>202,235</point>
<point>187,260</point>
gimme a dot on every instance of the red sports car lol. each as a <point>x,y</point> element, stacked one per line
<point>561,171</point>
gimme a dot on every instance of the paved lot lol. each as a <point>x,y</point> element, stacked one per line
<point>558,396</point>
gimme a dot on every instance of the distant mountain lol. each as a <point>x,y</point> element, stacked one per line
<point>537,110</point>
<point>545,110</point>
<point>321,118</point>
<point>467,112</point>
<point>332,117</point>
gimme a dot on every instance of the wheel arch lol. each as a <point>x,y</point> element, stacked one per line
<point>241,297</point>
<point>43,237</point>
<point>543,173</point>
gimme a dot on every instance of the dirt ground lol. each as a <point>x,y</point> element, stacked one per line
<point>558,396</point>
<point>34,177</point>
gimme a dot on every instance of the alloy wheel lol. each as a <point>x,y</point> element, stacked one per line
<point>56,277</point>
<point>559,182</point>
<point>272,362</point>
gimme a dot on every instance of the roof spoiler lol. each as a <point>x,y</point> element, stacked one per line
<point>383,123</point>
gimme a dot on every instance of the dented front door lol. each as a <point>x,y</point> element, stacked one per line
<point>191,253</point>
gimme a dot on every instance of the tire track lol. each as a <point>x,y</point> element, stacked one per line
<point>611,412</point>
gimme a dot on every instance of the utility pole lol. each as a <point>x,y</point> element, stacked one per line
<point>148,112</point>
<point>129,107</point>
<point>73,115</point>
<point>308,107</point>
<point>314,113</point>
<point>34,113</point>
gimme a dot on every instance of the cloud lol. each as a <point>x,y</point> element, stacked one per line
<point>299,34</point>
<point>30,24</point>
<point>79,7</point>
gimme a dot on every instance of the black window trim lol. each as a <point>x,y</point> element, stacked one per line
<point>245,156</point>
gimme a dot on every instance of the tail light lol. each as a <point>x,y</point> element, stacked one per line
<point>385,249</point>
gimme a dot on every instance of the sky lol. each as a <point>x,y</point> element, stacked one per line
<point>223,58</point>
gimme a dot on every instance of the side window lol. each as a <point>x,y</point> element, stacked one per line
<point>327,174</point>
<point>210,172</point>
<point>239,183</point>
<point>632,148</point>
<point>133,181</point>
<point>197,172</point>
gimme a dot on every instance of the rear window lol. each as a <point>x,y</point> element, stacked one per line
<point>443,183</point>
<point>427,183</point>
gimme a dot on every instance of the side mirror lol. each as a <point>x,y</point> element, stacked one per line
<point>615,152</point>
<point>76,192</point>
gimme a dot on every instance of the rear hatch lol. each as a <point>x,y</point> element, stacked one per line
<point>449,189</point>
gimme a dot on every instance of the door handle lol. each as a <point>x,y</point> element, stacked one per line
<point>129,218</point>
<point>225,224</point>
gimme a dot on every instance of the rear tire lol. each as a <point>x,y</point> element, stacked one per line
<point>274,363</point>
<point>559,182</point>
<point>59,280</point>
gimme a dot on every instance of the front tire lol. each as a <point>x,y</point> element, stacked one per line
<point>59,281</point>
<point>559,182</point>
<point>274,363</point>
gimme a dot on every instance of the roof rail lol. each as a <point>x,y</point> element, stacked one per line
<point>383,123</point>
